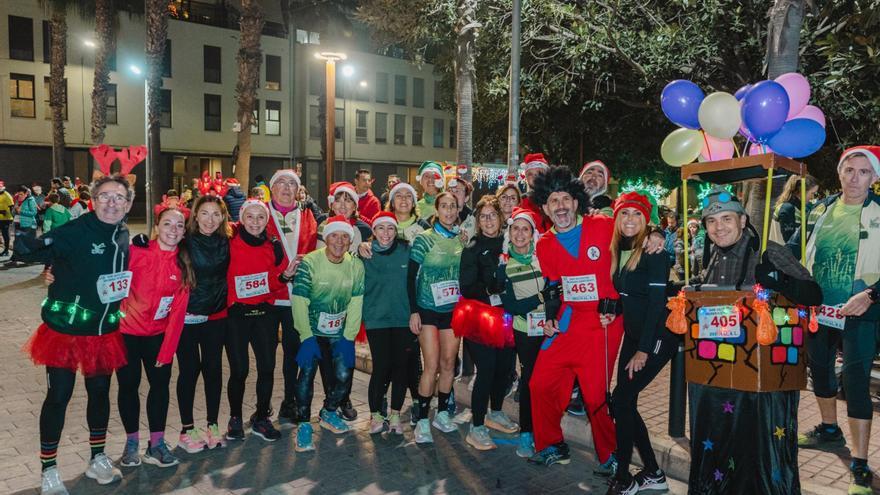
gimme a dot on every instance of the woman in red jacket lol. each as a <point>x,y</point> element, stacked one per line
<point>258,275</point>
<point>161,279</point>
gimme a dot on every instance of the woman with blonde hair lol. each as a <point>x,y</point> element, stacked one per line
<point>787,212</point>
<point>509,198</point>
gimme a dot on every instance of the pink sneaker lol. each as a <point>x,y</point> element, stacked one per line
<point>213,438</point>
<point>191,441</point>
<point>394,424</point>
<point>377,423</point>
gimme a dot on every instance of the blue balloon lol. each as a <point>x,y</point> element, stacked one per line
<point>765,109</point>
<point>798,138</point>
<point>680,101</point>
<point>741,92</point>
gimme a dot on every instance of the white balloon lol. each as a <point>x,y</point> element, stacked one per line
<point>719,115</point>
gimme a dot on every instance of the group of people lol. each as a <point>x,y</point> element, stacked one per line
<point>561,279</point>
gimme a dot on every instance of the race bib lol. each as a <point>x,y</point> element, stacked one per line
<point>114,287</point>
<point>252,285</point>
<point>194,319</point>
<point>719,322</point>
<point>580,289</point>
<point>164,308</point>
<point>331,324</point>
<point>830,316</point>
<point>535,320</point>
<point>495,300</point>
<point>445,292</point>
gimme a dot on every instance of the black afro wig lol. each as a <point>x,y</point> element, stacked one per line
<point>560,179</point>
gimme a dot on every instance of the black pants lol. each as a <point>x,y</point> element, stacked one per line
<point>391,350</point>
<point>493,376</point>
<point>527,349</point>
<point>143,351</point>
<point>200,351</point>
<point>631,429</point>
<point>4,231</point>
<point>305,382</point>
<point>60,383</point>
<point>290,346</point>
<point>259,328</point>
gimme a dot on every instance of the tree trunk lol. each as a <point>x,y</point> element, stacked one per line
<point>465,64</point>
<point>57,85</point>
<point>249,59</point>
<point>106,38</point>
<point>157,33</point>
<point>783,43</point>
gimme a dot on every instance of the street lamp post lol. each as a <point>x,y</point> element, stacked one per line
<point>347,71</point>
<point>330,59</point>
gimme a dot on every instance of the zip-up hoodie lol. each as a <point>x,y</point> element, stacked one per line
<point>249,258</point>
<point>210,260</point>
<point>158,299</point>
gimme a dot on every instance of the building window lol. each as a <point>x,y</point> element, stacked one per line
<point>165,108</point>
<point>21,38</point>
<point>381,127</point>
<point>417,123</point>
<point>273,118</point>
<point>273,72</point>
<point>212,63</point>
<point>452,134</point>
<point>400,90</point>
<point>316,80</point>
<point>212,112</point>
<point>399,129</point>
<point>339,130</point>
<point>360,132</point>
<point>21,96</point>
<point>47,42</point>
<point>418,92</point>
<point>437,94</point>
<point>166,60</point>
<point>314,123</point>
<point>47,110</point>
<point>255,118</point>
<point>112,109</point>
<point>438,133</point>
<point>381,87</point>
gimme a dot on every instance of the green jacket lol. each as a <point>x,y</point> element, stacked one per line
<point>55,216</point>
<point>385,287</point>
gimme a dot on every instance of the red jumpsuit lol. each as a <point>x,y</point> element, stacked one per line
<point>578,351</point>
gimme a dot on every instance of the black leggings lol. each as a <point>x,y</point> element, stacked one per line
<point>631,429</point>
<point>261,332</point>
<point>143,351</point>
<point>4,231</point>
<point>200,351</point>
<point>527,349</point>
<point>859,339</point>
<point>290,346</point>
<point>493,376</point>
<point>60,383</point>
<point>391,350</point>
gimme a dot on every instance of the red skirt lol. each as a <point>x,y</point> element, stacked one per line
<point>91,355</point>
<point>482,323</point>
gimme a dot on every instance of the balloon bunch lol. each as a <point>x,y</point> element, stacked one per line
<point>771,116</point>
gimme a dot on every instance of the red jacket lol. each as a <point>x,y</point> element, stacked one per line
<point>368,205</point>
<point>157,300</point>
<point>528,204</point>
<point>253,275</point>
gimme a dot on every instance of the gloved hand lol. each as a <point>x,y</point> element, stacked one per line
<point>767,275</point>
<point>345,349</point>
<point>140,240</point>
<point>308,353</point>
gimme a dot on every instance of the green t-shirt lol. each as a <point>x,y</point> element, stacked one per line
<point>439,258</point>
<point>837,247</point>
<point>328,297</point>
<point>425,206</point>
<point>409,229</point>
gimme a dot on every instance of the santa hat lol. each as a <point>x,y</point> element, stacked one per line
<point>635,200</point>
<point>383,217</point>
<point>337,223</point>
<point>285,172</point>
<point>342,187</point>
<point>605,170</point>
<point>693,221</point>
<point>433,168</point>
<point>400,187</point>
<point>533,161</point>
<point>252,202</point>
<point>872,153</point>
<point>232,182</point>
<point>521,214</point>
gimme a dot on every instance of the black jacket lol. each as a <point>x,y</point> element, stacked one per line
<point>210,260</point>
<point>643,295</point>
<point>479,263</point>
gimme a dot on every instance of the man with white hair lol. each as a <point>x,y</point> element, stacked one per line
<point>596,175</point>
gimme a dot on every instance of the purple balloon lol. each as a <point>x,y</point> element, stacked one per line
<point>765,109</point>
<point>798,138</point>
<point>741,92</point>
<point>680,101</point>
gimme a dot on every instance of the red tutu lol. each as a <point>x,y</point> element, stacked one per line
<point>482,323</point>
<point>89,354</point>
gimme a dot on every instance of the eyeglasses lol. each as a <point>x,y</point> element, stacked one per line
<point>508,198</point>
<point>105,198</point>
<point>488,216</point>
<point>286,183</point>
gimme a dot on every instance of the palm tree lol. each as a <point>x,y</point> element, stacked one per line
<point>106,41</point>
<point>157,33</point>
<point>57,86</point>
<point>465,66</point>
<point>250,57</point>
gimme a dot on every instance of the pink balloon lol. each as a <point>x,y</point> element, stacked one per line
<point>798,89</point>
<point>812,113</point>
<point>757,149</point>
<point>717,149</point>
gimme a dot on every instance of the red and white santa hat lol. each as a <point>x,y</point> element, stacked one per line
<point>521,214</point>
<point>605,170</point>
<point>338,223</point>
<point>533,161</point>
<point>285,172</point>
<point>252,202</point>
<point>233,182</point>
<point>342,187</point>
<point>400,187</point>
<point>872,153</point>
<point>383,217</point>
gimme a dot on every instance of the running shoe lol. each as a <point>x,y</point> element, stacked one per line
<point>52,484</point>
<point>102,470</point>
<point>287,413</point>
<point>499,421</point>
<point>526,447</point>
<point>822,438</point>
<point>652,481</point>
<point>131,454</point>
<point>553,454</point>
<point>347,411</point>
<point>861,483</point>
<point>423,432</point>
<point>621,487</point>
<point>304,438</point>
<point>443,422</point>
<point>159,455</point>
<point>330,420</point>
<point>607,468</point>
<point>263,428</point>
<point>213,438</point>
<point>414,414</point>
<point>479,438</point>
<point>377,423</point>
<point>191,441</point>
<point>235,429</point>
<point>576,406</point>
<point>394,424</point>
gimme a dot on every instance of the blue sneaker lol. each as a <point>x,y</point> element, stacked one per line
<point>608,467</point>
<point>330,420</point>
<point>303,441</point>
<point>526,447</point>
<point>554,454</point>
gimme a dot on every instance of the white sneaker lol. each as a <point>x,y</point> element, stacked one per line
<point>499,421</point>
<point>102,470</point>
<point>52,484</point>
<point>423,432</point>
<point>444,423</point>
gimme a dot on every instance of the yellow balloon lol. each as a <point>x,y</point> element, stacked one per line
<point>681,146</point>
<point>719,115</point>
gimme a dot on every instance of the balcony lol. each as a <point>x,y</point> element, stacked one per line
<point>217,15</point>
